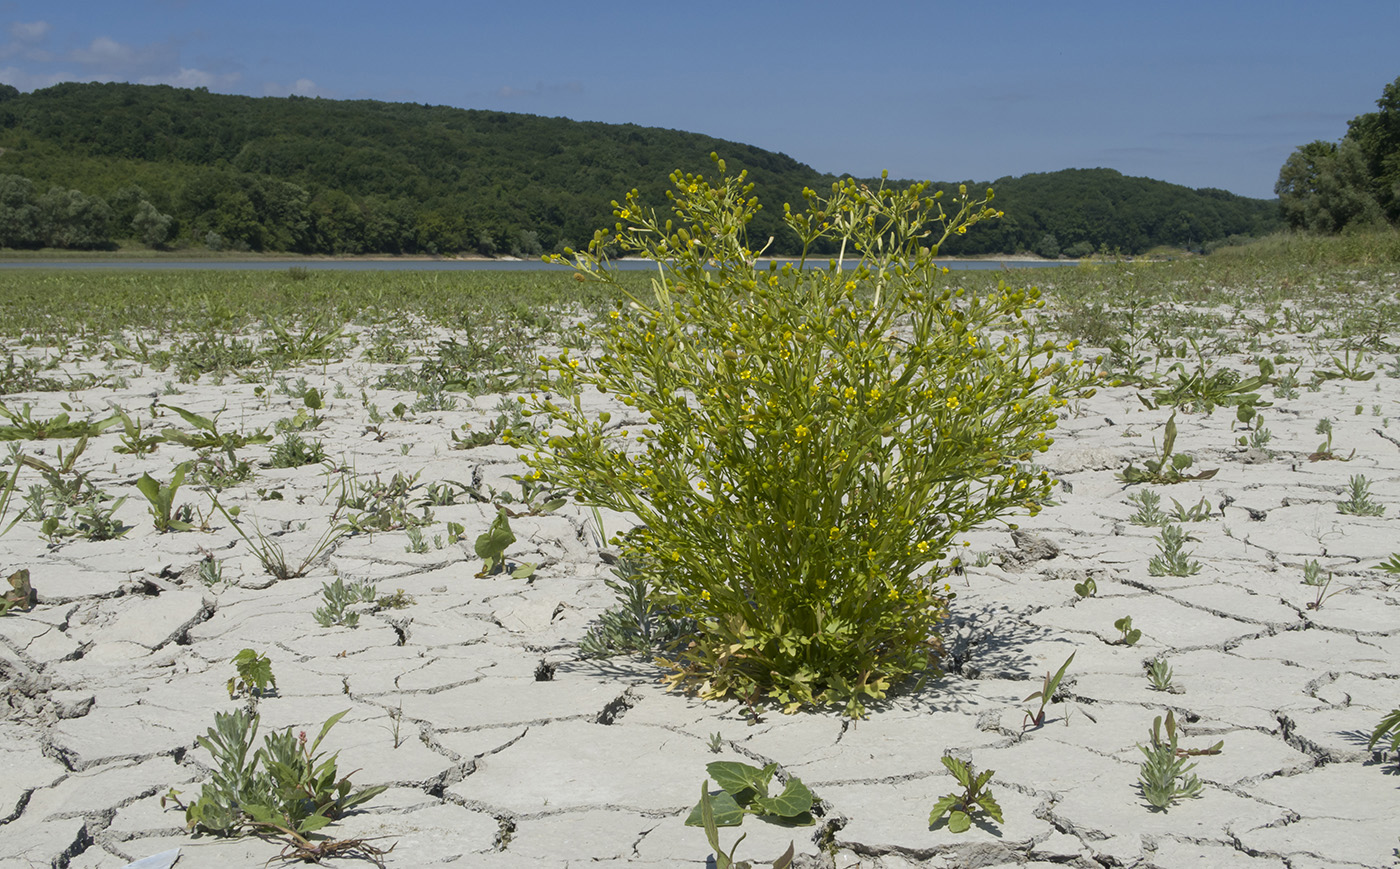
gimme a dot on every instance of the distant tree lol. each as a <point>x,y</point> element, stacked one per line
<point>149,225</point>
<point>1048,246</point>
<point>1377,135</point>
<point>1325,187</point>
<point>72,219</point>
<point>19,213</point>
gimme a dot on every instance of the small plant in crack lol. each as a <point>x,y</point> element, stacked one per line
<point>338,598</point>
<point>1199,512</point>
<point>637,624</point>
<point>1168,467</point>
<point>1313,576</point>
<point>1044,695</point>
<point>254,677</point>
<point>1149,513</point>
<point>1170,560</point>
<point>285,789</point>
<point>491,548</point>
<point>1165,777</point>
<point>1324,450</point>
<point>1159,676</point>
<point>1087,588</point>
<point>1358,502</point>
<point>974,798</point>
<point>1129,635</point>
<point>744,791</point>
<point>725,859</point>
<point>270,553</point>
<point>716,744</point>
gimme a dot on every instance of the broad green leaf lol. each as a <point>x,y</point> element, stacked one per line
<point>941,808</point>
<point>735,777</point>
<point>493,544</point>
<point>727,812</point>
<point>795,800</point>
<point>990,806</point>
<point>149,487</point>
<point>959,822</point>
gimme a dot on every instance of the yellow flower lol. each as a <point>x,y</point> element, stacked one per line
<point>624,214</point>
<point>704,595</point>
<point>801,432</point>
<point>923,546</point>
<point>850,392</point>
<point>875,394</point>
<point>952,402</point>
<point>972,340</point>
<point>614,314</point>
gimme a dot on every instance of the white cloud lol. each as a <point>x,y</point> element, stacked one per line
<point>302,87</point>
<point>29,31</point>
<point>194,78</point>
<point>27,81</point>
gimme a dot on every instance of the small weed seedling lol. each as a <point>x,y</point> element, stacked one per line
<point>339,597</point>
<point>254,677</point>
<point>744,791</point>
<point>1130,634</point>
<point>1087,588</point>
<point>1390,565</point>
<point>1149,513</point>
<point>1044,695</point>
<point>24,427</point>
<point>960,807</point>
<point>1200,512</point>
<point>1358,502</point>
<point>716,744</point>
<point>270,552</point>
<point>162,498</point>
<point>638,624</point>
<point>1312,576</point>
<point>1165,776</point>
<point>723,859</point>
<point>1324,450</point>
<point>284,789</point>
<point>135,439</point>
<point>1171,560</point>
<point>491,548</point>
<point>293,452</point>
<point>207,436</point>
<point>1169,467</point>
<point>1159,675</point>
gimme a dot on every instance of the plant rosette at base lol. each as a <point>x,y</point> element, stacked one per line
<point>817,434</point>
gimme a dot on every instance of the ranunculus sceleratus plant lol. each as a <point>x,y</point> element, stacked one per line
<point>815,438</point>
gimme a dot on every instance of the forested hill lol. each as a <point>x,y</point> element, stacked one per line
<point>83,165</point>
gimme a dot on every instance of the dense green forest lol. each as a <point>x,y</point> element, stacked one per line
<point>87,165</point>
<point>1330,186</point>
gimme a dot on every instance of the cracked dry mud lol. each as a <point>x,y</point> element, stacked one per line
<point>502,748</point>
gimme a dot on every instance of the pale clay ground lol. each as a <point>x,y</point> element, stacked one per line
<point>110,679</point>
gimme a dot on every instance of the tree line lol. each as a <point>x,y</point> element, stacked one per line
<point>88,165</point>
<point>1330,186</point>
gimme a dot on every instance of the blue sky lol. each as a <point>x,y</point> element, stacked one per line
<point>1206,94</point>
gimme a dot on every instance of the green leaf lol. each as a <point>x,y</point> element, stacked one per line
<point>941,808</point>
<point>990,806</point>
<point>795,800</point>
<point>959,822</point>
<point>150,488</point>
<point>726,811</point>
<point>493,544</point>
<point>736,777</point>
